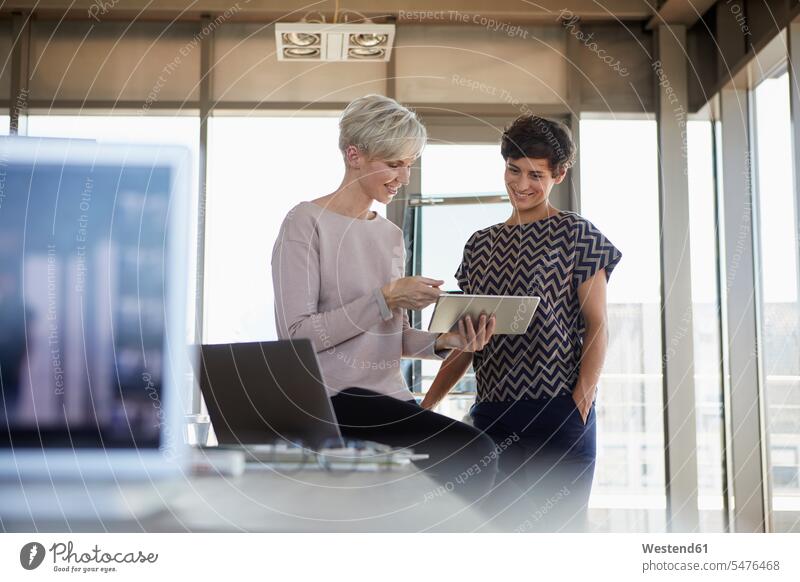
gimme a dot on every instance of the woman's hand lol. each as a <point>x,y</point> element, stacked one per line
<point>411,292</point>
<point>468,338</point>
<point>583,400</point>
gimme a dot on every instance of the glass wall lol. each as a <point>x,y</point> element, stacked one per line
<point>619,194</point>
<point>706,326</point>
<point>780,313</point>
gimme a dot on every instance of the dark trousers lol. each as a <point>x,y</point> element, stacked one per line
<point>546,465</point>
<point>460,459</point>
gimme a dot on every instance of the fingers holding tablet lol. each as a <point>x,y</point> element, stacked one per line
<point>473,338</point>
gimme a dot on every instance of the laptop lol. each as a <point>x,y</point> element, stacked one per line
<point>93,358</point>
<point>260,393</point>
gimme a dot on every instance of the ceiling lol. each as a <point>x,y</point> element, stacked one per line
<point>405,11</point>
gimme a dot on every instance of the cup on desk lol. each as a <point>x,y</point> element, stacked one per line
<point>197,429</point>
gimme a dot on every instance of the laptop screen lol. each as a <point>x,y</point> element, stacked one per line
<point>82,301</point>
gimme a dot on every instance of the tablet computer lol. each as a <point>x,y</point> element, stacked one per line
<point>513,313</point>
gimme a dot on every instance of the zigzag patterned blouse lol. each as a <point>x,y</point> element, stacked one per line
<point>548,258</point>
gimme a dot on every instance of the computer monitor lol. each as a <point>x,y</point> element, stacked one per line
<point>93,272</point>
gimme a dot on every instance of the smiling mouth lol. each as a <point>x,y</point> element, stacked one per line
<point>392,191</point>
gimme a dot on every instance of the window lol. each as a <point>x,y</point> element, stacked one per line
<point>175,130</point>
<point>462,170</point>
<point>5,124</point>
<point>784,467</point>
<point>619,194</point>
<point>450,171</point>
<point>780,313</point>
<point>616,458</point>
<point>706,325</point>
<point>259,168</point>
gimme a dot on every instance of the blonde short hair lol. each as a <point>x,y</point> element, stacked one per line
<point>381,128</point>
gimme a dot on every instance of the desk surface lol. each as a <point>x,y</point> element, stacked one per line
<point>268,500</point>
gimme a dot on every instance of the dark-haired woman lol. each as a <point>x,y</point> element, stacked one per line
<point>536,391</point>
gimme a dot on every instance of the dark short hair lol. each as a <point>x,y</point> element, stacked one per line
<point>531,136</point>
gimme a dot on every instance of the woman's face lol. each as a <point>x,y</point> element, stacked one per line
<point>382,180</point>
<point>529,182</point>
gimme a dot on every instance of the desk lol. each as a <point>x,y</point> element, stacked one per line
<point>265,500</point>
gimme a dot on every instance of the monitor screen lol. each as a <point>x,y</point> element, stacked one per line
<point>83,261</point>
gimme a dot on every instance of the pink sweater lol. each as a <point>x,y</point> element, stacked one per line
<point>327,271</point>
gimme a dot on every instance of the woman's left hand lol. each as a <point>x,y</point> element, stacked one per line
<point>583,400</point>
<point>468,338</point>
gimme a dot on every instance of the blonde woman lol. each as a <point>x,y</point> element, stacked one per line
<point>338,277</point>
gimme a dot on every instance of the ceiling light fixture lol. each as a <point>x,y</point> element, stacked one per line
<point>364,41</point>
